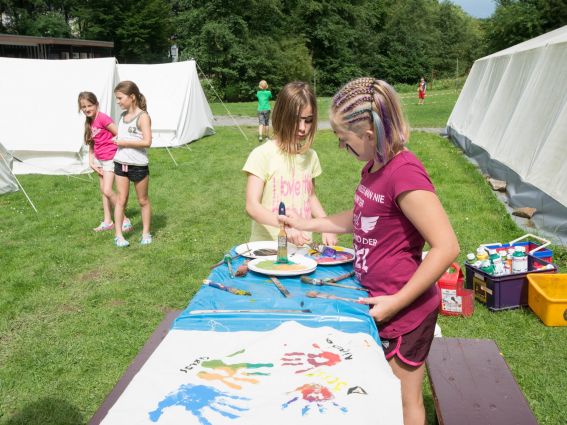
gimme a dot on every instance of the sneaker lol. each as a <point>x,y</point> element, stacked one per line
<point>126,226</point>
<point>104,226</point>
<point>121,242</point>
<point>146,239</point>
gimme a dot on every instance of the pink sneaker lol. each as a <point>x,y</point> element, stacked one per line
<point>103,227</point>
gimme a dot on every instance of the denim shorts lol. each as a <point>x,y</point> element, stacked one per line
<point>135,173</point>
<point>264,117</point>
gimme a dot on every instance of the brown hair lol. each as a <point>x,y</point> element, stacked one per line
<point>369,100</point>
<point>89,97</point>
<point>285,119</point>
<point>130,88</point>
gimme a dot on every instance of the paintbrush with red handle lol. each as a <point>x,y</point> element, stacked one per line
<point>242,269</point>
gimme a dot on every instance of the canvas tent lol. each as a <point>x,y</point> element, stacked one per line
<point>41,124</point>
<point>7,180</point>
<point>176,101</point>
<point>511,118</point>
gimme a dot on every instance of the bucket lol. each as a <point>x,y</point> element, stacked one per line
<point>455,300</point>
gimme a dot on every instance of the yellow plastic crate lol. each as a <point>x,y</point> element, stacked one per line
<point>547,297</point>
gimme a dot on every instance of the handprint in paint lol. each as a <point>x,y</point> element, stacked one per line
<point>231,374</point>
<point>195,398</point>
<point>310,360</point>
<point>314,396</point>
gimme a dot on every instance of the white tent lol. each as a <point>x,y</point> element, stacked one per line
<point>176,101</point>
<point>41,124</point>
<point>511,118</point>
<point>7,180</point>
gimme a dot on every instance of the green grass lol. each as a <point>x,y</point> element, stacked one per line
<point>75,310</point>
<point>435,113</point>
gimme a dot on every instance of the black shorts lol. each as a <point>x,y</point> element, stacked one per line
<point>412,348</point>
<point>135,173</point>
<point>264,117</point>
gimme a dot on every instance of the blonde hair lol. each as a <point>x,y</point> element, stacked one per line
<point>371,101</point>
<point>263,85</point>
<point>89,97</point>
<point>130,88</point>
<point>293,98</point>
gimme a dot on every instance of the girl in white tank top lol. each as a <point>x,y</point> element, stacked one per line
<point>131,159</point>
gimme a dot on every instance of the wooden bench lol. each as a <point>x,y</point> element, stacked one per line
<point>472,384</point>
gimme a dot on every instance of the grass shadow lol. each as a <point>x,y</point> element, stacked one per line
<point>47,411</point>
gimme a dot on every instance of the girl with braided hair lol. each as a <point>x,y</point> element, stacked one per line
<point>395,212</point>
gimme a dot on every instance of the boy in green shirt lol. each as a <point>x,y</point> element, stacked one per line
<point>264,95</point>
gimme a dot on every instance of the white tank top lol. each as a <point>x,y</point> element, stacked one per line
<point>129,130</point>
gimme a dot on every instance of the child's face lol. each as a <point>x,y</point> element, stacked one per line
<point>123,100</point>
<point>361,147</point>
<point>305,122</point>
<point>88,108</point>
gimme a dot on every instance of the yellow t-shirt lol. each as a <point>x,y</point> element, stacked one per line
<point>287,178</point>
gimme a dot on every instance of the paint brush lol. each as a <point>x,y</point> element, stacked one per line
<point>280,287</point>
<point>328,282</point>
<point>263,311</point>
<point>234,291</point>
<point>242,269</point>
<point>228,261</point>
<point>315,294</point>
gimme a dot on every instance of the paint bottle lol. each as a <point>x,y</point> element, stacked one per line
<point>509,257</point>
<point>487,267</point>
<point>282,238</point>
<point>492,255</point>
<point>481,254</point>
<point>498,267</point>
<point>519,260</point>
<point>471,258</point>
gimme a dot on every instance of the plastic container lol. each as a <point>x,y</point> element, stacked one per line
<point>455,299</point>
<point>504,292</point>
<point>547,297</point>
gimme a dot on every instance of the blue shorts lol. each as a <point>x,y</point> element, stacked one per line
<point>264,117</point>
<point>135,173</point>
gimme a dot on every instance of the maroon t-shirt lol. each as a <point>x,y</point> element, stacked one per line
<point>388,246</point>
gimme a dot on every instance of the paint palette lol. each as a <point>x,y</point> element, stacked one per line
<point>298,265</point>
<point>331,255</point>
<point>262,249</point>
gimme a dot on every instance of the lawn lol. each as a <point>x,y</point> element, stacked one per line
<point>75,310</point>
<point>433,114</point>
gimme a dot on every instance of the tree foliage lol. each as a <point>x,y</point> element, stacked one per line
<point>327,42</point>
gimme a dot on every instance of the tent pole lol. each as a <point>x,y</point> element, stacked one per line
<point>19,184</point>
<point>218,97</point>
<point>168,151</point>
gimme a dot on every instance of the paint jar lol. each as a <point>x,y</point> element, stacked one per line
<point>519,260</point>
<point>481,254</point>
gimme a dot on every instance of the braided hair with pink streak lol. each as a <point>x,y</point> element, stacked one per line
<point>371,101</point>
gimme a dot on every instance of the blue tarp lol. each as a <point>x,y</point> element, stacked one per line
<point>214,309</point>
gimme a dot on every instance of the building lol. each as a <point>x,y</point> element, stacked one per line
<point>24,46</point>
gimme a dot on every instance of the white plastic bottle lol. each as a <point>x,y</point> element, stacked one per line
<point>519,260</point>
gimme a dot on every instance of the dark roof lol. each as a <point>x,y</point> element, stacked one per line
<point>26,40</point>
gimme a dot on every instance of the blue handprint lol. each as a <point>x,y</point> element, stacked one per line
<point>194,398</point>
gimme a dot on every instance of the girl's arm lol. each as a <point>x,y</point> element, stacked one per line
<point>317,211</point>
<point>338,223</point>
<point>426,213</point>
<point>91,163</point>
<point>257,212</point>
<point>112,128</point>
<point>146,128</point>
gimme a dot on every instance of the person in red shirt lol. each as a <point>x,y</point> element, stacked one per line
<point>395,212</point>
<point>99,133</point>
<point>421,89</point>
